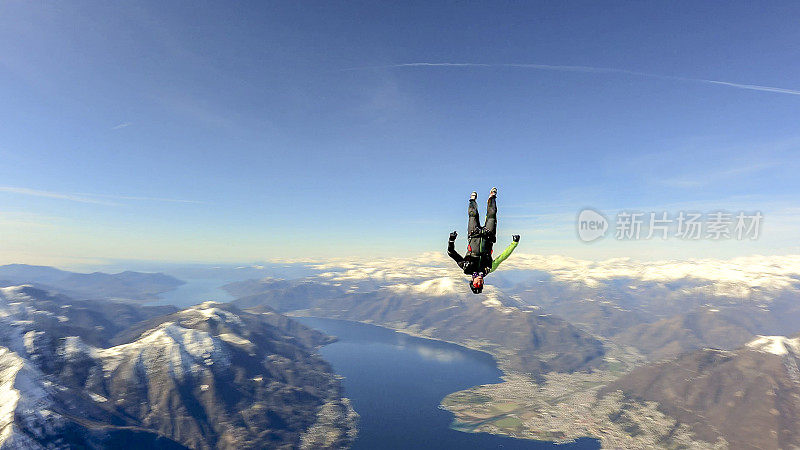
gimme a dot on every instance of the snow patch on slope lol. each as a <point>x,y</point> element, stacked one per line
<point>492,298</point>
<point>777,345</point>
<point>25,403</point>
<point>237,341</point>
<point>74,347</point>
<point>14,293</point>
<point>183,351</point>
<point>208,310</point>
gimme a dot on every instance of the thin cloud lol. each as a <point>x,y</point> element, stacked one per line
<point>588,69</point>
<point>122,125</point>
<point>89,198</point>
<point>56,195</point>
<point>149,199</point>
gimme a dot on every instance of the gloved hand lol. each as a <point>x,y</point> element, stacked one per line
<point>453,236</point>
<point>515,238</point>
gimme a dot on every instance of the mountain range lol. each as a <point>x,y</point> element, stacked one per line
<point>440,308</point>
<point>697,322</point>
<point>78,368</point>
<point>123,286</point>
<point>90,374</point>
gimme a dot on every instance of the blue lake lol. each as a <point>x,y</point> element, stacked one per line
<point>396,382</point>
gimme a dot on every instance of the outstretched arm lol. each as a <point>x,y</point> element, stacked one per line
<point>506,253</point>
<point>451,249</point>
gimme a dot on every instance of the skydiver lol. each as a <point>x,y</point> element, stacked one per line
<point>478,260</point>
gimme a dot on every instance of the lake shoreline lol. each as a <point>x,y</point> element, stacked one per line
<point>452,419</point>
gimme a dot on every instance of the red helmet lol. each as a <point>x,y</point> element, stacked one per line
<point>477,282</point>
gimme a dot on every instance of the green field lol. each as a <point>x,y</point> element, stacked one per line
<point>508,422</point>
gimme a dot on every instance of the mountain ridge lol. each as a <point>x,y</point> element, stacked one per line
<point>750,396</point>
<point>438,309</point>
<point>126,285</point>
<point>209,376</point>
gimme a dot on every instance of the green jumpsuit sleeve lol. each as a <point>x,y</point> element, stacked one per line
<point>506,253</point>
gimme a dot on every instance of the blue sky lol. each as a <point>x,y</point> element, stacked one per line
<point>208,131</point>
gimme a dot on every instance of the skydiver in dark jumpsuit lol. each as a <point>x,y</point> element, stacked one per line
<point>478,260</point>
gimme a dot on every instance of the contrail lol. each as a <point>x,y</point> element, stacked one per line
<point>587,69</point>
<point>131,197</point>
<point>86,197</point>
<point>51,194</point>
<point>752,87</point>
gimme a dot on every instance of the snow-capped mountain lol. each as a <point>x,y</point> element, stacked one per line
<point>210,376</point>
<point>26,404</point>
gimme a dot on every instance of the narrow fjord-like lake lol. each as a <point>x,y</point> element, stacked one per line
<point>396,382</point>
